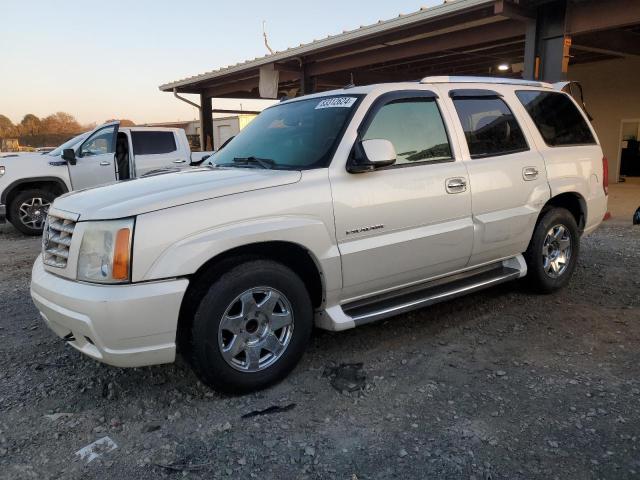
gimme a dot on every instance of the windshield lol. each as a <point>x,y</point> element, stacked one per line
<point>292,136</point>
<point>68,144</point>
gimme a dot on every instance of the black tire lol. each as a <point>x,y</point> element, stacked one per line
<point>26,197</point>
<point>205,353</point>
<point>537,275</point>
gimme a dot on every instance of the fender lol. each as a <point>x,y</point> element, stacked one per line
<point>577,185</point>
<point>187,255</point>
<point>574,185</point>
<point>58,181</point>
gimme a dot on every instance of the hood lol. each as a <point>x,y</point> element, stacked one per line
<point>30,164</point>
<point>22,156</point>
<point>148,194</point>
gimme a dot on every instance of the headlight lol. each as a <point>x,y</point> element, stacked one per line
<point>105,251</point>
<point>1,170</point>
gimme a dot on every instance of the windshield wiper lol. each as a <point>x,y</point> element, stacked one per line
<point>262,162</point>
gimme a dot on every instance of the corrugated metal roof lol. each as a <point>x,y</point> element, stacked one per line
<point>381,26</point>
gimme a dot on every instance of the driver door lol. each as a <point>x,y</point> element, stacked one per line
<point>409,222</point>
<point>95,159</point>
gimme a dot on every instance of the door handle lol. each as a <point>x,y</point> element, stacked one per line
<point>104,163</point>
<point>530,173</point>
<point>179,161</point>
<point>456,185</point>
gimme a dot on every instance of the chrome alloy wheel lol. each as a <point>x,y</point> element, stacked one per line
<point>556,251</point>
<point>256,329</point>
<point>33,212</point>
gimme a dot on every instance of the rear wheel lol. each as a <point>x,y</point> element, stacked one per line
<point>553,251</point>
<point>251,327</point>
<point>28,210</point>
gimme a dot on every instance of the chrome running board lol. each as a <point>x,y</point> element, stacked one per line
<point>377,308</point>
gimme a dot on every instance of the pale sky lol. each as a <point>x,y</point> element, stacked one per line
<point>100,60</point>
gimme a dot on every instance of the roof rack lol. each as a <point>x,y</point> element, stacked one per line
<point>493,80</point>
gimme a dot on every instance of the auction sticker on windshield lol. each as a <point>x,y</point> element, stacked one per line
<point>336,102</point>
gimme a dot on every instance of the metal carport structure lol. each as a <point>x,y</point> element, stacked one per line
<point>537,39</point>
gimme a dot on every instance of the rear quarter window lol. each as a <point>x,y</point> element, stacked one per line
<point>556,117</point>
<point>151,143</point>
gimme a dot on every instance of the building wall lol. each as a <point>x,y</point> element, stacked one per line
<point>245,118</point>
<point>192,128</point>
<point>223,129</point>
<point>226,127</point>
<point>612,93</point>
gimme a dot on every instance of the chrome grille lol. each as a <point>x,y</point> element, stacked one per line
<point>56,240</point>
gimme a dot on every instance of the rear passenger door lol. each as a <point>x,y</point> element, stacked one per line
<point>571,152</point>
<point>153,150</point>
<point>507,174</point>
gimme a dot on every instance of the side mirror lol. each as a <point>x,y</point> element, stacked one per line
<point>69,155</point>
<point>372,154</point>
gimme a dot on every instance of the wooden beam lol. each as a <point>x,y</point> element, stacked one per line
<point>206,124</point>
<point>364,77</point>
<point>500,51</point>
<point>465,38</point>
<point>241,95</point>
<point>472,62</point>
<point>232,86</point>
<point>225,87</point>
<point>235,112</point>
<point>603,51</point>
<point>513,11</point>
<point>432,28</point>
<point>598,15</point>
<point>281,67</point>
<point>621,43</point>
<point>305,86</point>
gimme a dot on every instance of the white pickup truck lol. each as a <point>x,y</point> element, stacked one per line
<point>30,182</point>
<point>335,209</point>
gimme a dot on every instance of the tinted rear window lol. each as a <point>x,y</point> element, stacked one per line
<point>149,143</point>
<point>556,117</point>
<point>489,127</point>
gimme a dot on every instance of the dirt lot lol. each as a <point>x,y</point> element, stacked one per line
<point>501,384</point>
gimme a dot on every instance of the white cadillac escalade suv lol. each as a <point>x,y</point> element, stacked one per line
<point>335,210</point>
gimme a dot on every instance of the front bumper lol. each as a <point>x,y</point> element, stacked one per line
<point>122,325</point>
<point>3,213</point>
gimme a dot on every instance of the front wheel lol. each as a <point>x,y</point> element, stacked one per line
<point>251,327</point>
<point>28,210</point>
<point>553,251</point>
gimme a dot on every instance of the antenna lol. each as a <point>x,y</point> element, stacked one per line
<point>266,40</point>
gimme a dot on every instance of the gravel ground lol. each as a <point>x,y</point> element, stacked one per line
<point>500,384</point>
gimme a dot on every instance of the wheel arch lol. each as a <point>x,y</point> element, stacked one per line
<point>574,202</point>
<point>54,184</point>
<point>293,255</point>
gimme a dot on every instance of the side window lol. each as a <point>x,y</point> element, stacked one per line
<point>416,129</point>
<point>489,126</point>
<point>99,143</point>
<point>557,118</point>
<point>150,143</point>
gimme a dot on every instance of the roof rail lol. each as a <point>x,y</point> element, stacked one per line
<point>493,80</point>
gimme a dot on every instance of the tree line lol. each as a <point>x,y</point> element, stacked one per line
<point>59,123</point>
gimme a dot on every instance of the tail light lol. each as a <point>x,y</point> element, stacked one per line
<point>605,175</point>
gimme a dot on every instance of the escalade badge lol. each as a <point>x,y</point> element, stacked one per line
<point>365,229</point>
